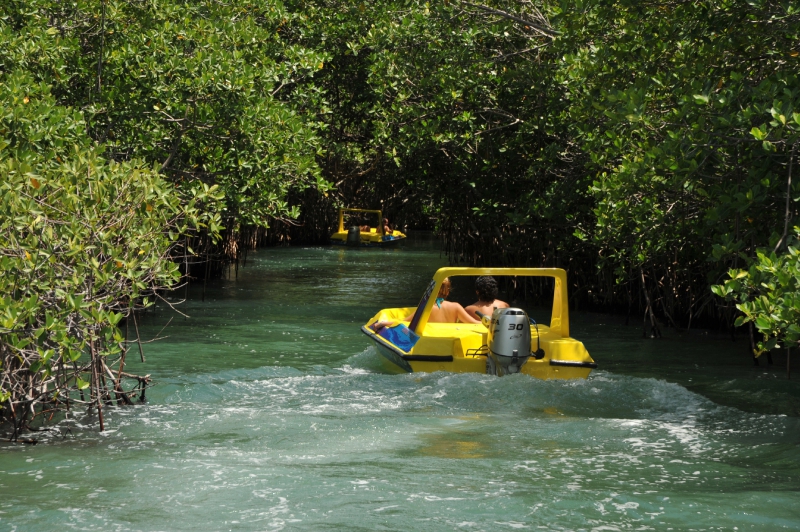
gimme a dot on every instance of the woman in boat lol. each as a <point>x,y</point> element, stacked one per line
<point>486,289</point>
<point>444,311</point>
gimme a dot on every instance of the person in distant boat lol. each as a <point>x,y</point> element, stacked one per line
<point>444,311</point>
<point>387,229</point>
<point>486,289</point>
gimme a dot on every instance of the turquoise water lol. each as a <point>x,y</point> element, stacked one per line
<point>270,414</point>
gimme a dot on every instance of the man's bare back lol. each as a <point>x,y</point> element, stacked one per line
<point>486,290</point>
<point>484,307</point>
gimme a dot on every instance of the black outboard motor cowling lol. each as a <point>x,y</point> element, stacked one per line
<point>509,341</point>
<point>354,236</point>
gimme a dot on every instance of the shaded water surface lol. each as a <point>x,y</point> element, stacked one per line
<point>270,414</point>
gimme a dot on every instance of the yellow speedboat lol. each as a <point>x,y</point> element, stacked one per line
<point>507,342</point>
<point>358,236</point>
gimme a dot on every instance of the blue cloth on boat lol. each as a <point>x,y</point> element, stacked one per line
<point>400,335</point>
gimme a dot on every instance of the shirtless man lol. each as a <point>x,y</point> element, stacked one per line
<point>486,289</point>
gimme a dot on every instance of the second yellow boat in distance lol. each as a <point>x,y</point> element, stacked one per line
<point>373,237</point>
<point>507,342</point>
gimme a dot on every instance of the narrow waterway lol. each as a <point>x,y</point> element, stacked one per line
<point>270,414</point>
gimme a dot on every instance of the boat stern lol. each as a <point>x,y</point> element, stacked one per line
<point>565,358</point>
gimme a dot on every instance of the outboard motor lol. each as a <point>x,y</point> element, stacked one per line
<point>509,341</point>
<point>354,236</point>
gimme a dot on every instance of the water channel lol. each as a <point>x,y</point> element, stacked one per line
<point>270,414</point>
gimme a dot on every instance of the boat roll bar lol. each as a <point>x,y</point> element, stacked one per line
<point>342,210</point>
<point>559,320</point>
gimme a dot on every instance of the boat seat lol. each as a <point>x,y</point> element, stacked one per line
<point>454,330</point>
<point>455,338</point>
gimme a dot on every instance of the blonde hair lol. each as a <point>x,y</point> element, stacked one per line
<point>444,290</point>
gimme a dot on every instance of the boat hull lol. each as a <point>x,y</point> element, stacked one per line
<point>391,361</point>
<point>396,361</point>
<point>394,242</point>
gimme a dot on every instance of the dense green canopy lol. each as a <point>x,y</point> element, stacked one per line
<point>647,147</point>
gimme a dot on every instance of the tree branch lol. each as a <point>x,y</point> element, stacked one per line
<point>538,27</point>
<point>788,197</point>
